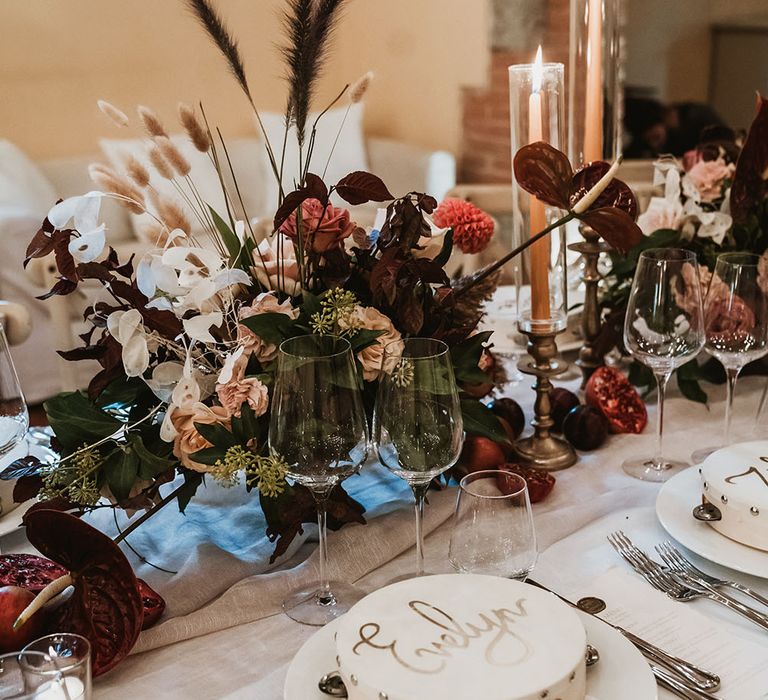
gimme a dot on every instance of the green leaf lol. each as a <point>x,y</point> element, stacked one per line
<point>121,469</point>
<point>216,434</point>
<point>231,241</point>
<point>466,356</point>
<point>271,327</point>
<point>480,420</point>
<point>209,455</point>
<point>363,338</point>
<point>192,481</point>
<point>77,421</point>
<point>151,464</point>
<point>688,382</point>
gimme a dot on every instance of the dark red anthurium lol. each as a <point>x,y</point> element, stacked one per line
<point>546,173</point>
<point>750,181</point>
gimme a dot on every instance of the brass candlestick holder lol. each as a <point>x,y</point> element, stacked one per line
<point>543,449</point>
<point>590,249</point>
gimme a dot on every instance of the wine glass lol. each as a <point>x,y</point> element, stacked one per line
<point>735,325</point>
<point>319,428</point>
<point>417,424</point>
<point>493,529</point>
<point>663,329</point>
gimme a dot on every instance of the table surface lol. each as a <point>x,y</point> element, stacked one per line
<point>250,660</point>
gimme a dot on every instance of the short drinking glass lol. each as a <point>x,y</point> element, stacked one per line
<point>493,529</point>
<point>57,667</point>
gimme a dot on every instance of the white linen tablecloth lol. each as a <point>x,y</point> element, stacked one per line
<point>227,637</point>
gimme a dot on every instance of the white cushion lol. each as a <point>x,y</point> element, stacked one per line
<point>243,153</point>
<point>349,154</point>
<point>23,187</point>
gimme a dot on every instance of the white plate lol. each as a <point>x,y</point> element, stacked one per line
<point>12,520</point>
<point>622,672</point>
<point>674,504</point>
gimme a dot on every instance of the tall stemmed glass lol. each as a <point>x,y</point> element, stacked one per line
<point>417,425</point>
<point>735,323</point>
<point>318,426</point>
<point>663,329</point>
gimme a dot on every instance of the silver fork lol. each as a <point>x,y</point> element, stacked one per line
<point>679,564</point>
<point>678,586</point>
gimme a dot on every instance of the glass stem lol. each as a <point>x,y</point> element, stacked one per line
<point>420,492</point>
<point>732,375</point>
<point>661,385</point>
<point>324,594</point>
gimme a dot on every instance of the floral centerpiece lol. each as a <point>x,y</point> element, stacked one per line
<point>713,201</point>
<point>187,334</point>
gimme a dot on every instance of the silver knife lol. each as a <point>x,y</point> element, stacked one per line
<point>698,677</point>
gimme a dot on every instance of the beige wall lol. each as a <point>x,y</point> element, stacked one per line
<point>57,57</point>
<point>669,42</point>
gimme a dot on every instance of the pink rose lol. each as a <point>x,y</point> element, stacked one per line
<point>265,303</point>
<point>372,356</point>
<point>707,177</point>
<point>275,266</point>
<point>323,228</point>
<point>188,440</point>
<point>240,389</point>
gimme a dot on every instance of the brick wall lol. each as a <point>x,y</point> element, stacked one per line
<point>485,154</point>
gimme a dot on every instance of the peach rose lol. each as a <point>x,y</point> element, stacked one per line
<point>265,303</point>
<point>240,388</point>
<point>275,266</point>
<point>324,228</point>
<point>707,177</point>
<point>188,440</point>
<point>372,356</point>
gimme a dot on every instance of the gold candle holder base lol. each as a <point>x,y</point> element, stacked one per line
<point>542,449</point>
<point>590,249</point>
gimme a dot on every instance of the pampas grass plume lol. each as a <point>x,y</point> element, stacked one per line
<point>197,134</point>
<point>151,121</point>
<point>136,170</point>
<point>171,214</point>
<point>117,116</point>
<point>173,155</point>
<point>109,181</point>
<point>159,162</point>
<point>360,87</point>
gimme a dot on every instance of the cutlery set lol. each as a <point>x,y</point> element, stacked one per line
<point>682,581</point>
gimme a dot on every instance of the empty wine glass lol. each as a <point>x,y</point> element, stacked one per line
<point>319,428</point>
<point>493,529</point>
<point>663,329</point>
<point>14,418</point>
<point>417,424</point>
<point>735,324</point>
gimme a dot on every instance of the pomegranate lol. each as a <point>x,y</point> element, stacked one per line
<point>28,571</point>
<point>12,601</point>
<point>613,395</point>
<point>585,428</point>
<point>154,605</point>
<point>540,483</point>
<point>481,453</point>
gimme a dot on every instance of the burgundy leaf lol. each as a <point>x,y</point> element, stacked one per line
<point>27,487</point>
<point>545,172</point>
<point>360,187</point>
<point>617,194</point>
<point>750,185</point>
<point>61,288</point>
<point>314,188</point>
<point>89,352</point>
<point>40,245</point>
<point>615,226</point>
<point>426,202</point>
<point>384,275</point>
<point>64,260</point>
<point>23,466</point>
<point>106,606</point>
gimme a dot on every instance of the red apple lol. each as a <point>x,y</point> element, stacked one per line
<point>481,453</point>
<point>12,601</point>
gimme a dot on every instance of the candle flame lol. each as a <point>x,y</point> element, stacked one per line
<point>537,71</point>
